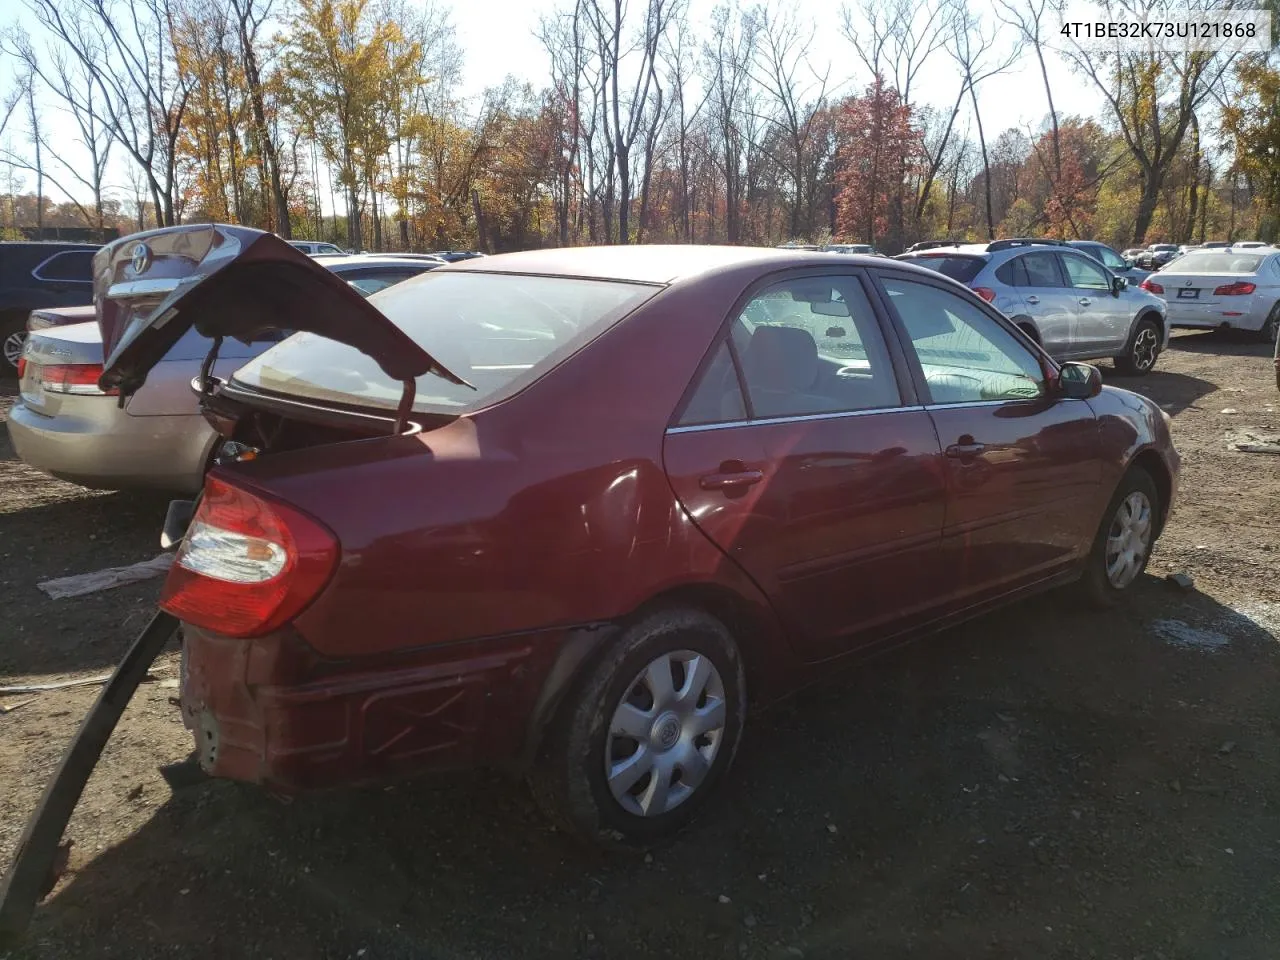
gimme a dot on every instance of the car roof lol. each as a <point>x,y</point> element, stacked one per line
<point>353,260</point>
<point>658,263</point>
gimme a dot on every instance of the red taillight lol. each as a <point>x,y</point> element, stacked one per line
<point>247,565</point>
<point>22,366</point>
<point>1151,286</point>
<point>986,293</point>
<point>77,378</point>
<point>1238,289</point>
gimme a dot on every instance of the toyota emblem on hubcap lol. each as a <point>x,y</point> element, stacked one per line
<point>141,258</point>
<point>668,733</point>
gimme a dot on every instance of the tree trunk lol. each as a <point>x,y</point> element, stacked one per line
<point>1147,203</point>
<point>253,81</point>
<point>481,234</point>
<point>1196,160</point>
<point>1053,116</point>
<point>986,164</point>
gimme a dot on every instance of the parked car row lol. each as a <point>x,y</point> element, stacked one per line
<point>776,462</point>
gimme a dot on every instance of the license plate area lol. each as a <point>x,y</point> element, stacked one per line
<point>1189,294</point>
<point>32,378</point>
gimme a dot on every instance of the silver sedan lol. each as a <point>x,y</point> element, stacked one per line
<point>65,426</point>
<point>1235,288</point>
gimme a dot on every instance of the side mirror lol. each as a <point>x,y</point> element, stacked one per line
<point>1117,285</point>
<point>1079,381</point>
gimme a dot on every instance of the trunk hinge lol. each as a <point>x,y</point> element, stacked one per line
<point>206,368</point>
<point>406,405</point>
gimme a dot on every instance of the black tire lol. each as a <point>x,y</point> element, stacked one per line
<point>1271,329</point>
<point>1142,350</point>
<point>13,329</point>
<point>1097,586</point>
<point>569,781</point>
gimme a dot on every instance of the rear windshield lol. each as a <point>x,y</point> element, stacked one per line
<point>1214,261</point>
<point>499,332</point>
<point>956,267</point>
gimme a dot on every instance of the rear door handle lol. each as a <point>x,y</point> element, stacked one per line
<point>731,480</point>
<point>1085,301</point>
<point>1033,300</point>
<point>965,451</point>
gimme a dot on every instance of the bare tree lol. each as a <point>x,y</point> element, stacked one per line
<point>1152,96</point>
<point>798,93</point>
<point>678,55</point>
<point>1027,17</point>
<point>127,51</point>
<point>727,58</point>
<point>972,47</point>
<point>248,22</point>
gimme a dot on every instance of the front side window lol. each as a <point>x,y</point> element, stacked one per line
<point>965,355</point>
<point>1085,274</point>
<point>499,332</point>
<point>1111,259</point>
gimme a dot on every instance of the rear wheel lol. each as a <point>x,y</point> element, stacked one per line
<point>1271,329</point>
<point>13,335</point>
<point>1142,349</point>
<point>1124,540</point>
<point>646,735</point>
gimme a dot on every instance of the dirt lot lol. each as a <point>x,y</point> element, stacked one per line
<point>1047,782</point>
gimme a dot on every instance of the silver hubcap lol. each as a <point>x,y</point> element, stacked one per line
<point>1144,349</point>
<point>13,347</point>
<point>1129,539</point>
<point>665,734</point>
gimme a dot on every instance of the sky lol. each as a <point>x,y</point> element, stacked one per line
<point>498,39</point>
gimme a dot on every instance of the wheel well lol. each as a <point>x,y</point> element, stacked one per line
<point>745,623</point>
<point>1027,326</point>
<point>1149,314</point>
<point>1149,461</point>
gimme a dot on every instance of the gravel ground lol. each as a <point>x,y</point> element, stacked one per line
<point>1045,782</point>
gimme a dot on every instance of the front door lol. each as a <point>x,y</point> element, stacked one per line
<point>1103,324</point>
<point>798,456</point>
<point>1023,468</point>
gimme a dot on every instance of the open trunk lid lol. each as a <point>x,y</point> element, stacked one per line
<point>229,281</point>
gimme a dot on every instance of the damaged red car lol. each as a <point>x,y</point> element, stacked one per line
<point>574,512</point>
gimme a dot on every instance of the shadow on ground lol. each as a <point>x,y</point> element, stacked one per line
<point>1043,782</point>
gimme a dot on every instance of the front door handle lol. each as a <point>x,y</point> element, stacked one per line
<point>732,477</point>
<point>1085,301</point>
<point>965,450</point>
<point>1033,300</point>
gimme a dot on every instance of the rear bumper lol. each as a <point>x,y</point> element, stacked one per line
<point>271,711</point>
<point>107,448</point>
<point>1249,315</point>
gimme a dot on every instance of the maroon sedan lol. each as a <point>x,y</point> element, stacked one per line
<point>572,512</point>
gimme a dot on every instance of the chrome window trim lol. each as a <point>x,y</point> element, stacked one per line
<point>35,271</point>
<point>793,418</point>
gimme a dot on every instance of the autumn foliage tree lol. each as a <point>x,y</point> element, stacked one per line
<point>875,133</point>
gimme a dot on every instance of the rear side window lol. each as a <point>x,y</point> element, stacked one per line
<point>718,395</point>
<point>959,268</point>
<point>1042,270</point>
<point>73,266</point>
<point>1013,273</point>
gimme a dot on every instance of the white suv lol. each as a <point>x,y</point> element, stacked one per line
<point>1066,301</point>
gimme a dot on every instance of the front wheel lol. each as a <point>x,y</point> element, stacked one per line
<point>1141,351</point>
<point>1124,540</point>
<point>645,736</point>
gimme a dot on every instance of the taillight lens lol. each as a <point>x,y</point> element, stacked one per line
<point>1151,286</point>
<point>77,378</point>
<point>22,366</point>
<point>986,293</point>
<point>1238,289</point>
<point>248,565</point>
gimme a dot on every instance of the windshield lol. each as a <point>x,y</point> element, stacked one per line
<point>959,268</point>
<point>1206,261</point>
<point>499,332</point>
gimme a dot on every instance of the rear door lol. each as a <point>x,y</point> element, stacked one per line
<point>1102,324</point>
<point>1039,280</point>
<point>802,453</point>
<point>1023,468</point>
